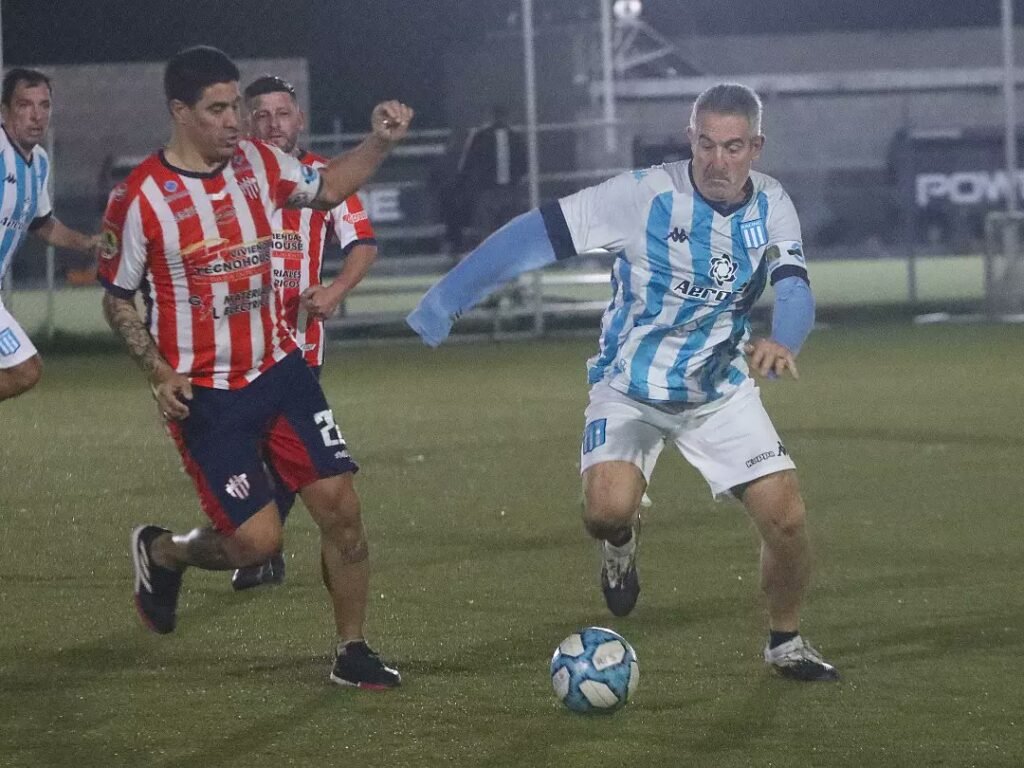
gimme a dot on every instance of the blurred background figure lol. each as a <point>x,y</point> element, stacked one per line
<point>492,164</point>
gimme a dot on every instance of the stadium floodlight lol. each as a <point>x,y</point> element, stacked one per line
<point>627,10</point>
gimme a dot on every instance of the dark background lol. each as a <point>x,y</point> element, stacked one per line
<point>361,51</point>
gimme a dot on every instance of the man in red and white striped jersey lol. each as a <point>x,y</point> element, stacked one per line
<point>191,228</point>
<point>297,251</point>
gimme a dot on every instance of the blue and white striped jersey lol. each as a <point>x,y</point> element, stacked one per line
<point>685,277</point>
<point>24,198</point>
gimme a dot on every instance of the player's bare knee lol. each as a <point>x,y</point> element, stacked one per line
<point>611,496</point>
<point>333,501</point>
<point>347,535</point>
<point>605,517</point>
<point>25,376</point>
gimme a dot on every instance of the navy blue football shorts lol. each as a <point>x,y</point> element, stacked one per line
<point>281,419</point>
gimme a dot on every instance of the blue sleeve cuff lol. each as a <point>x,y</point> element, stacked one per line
<point>793,312</point>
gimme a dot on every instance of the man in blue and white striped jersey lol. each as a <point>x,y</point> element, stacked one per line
<point>695,244</point>
<point>25,207</point>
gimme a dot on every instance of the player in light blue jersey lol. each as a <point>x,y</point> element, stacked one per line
<point>24,207</point>
<point>695,244</point>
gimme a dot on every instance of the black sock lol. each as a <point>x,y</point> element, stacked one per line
<point>778,638</point>
<point>621,537</point>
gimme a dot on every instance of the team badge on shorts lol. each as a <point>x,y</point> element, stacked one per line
<point>9,342</point>
<point>594,435</point>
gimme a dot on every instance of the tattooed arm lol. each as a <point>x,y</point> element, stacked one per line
<point>171,390</point>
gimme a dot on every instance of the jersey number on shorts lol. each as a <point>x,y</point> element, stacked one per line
<point>328,429</point>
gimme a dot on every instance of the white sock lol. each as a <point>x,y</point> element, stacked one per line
<point>624,550</point>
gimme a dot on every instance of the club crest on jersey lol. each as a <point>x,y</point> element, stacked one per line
<point>250,187</point>
<point>723,270</point>
<point>754,234</point>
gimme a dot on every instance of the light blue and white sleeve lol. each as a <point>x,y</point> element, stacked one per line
<point>530,241</point>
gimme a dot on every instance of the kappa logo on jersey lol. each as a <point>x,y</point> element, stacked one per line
<point>678,235</point>
<point>237,486</point>
<point>754,234</point>
<point>723,269</point>
<point>9,343</point>
<point>10,178</point>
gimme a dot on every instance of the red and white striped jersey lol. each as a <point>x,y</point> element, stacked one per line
<point>198,246</point>
<point>300,236</point>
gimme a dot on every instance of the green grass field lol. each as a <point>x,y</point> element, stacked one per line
<point>909,443</point>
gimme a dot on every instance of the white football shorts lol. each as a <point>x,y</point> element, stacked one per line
<point>730,441</point>
<point>15,345</point>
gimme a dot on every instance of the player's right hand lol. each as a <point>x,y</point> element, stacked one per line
<point>390,120</point>
<point>770,359</point>
<point>172,391</point>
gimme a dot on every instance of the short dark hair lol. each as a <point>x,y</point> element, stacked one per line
<point>31,77</point>
<point>730,99</point>
<point>191,70</point>
<point>265,84</point>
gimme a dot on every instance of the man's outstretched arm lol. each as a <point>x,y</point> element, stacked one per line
<point>53,232</point>
<point>346,173</point>
<point>530,241</point>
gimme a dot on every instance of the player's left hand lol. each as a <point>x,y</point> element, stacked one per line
<point>390,120</point>
<point>771,359</point>
<point>320,301</point>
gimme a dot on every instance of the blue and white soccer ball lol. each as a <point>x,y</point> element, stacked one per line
<point>594,670</point>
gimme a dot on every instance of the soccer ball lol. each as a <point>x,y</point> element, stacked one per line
<point>594,670</point>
